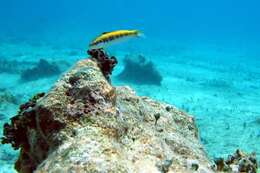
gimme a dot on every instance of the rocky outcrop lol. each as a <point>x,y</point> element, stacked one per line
<point>83,124</point>
<point>135,68</point>
<point>41,70</point>
<point>237,162</point>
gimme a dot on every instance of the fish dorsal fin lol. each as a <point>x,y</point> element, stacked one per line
<point>104,33</point>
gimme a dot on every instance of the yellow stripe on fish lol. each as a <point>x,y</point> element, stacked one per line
<point>108,37</point>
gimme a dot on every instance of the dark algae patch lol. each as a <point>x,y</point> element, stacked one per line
<point>105,63</point>
<point>23,125</point>
<point>15,133</point>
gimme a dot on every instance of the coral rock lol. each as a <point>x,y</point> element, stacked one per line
<point>85,125</point>
<point>14,66</point>
<point>238,162</point>
<point>140,71</point>
<point>41,70</point>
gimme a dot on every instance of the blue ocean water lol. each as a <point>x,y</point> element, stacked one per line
<point>206,51</point>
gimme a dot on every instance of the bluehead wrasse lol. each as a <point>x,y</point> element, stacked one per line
<point>107,38</point>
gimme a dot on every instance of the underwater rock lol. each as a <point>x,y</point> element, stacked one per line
<point>140,72</point>
<point>105,63</point>
<point>83,124</point>
<point>238,162</point>
<point>14,66</point>
<point>41,70</point>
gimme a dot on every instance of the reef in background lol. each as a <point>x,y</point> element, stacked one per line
<point>84,124</point>
<point>140,71</point>
<point>7,97</point>
<point>42,69</point>
<point>14,66</point>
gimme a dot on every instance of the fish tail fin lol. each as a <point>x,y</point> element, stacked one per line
<point>141,34</point>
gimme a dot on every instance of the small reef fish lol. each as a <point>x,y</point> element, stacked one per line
<point>106,38</point>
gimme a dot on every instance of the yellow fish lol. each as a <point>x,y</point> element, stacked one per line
<point>107,38</point>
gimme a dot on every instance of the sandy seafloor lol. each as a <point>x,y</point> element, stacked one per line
<point>219,86</point>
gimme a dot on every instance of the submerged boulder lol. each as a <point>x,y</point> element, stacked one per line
<point>41,70</point>
<point>140,71</point>
<point>83,124</point>
<point>13,66</point>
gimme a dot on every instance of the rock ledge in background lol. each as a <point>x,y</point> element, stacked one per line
<point>86,125</point>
